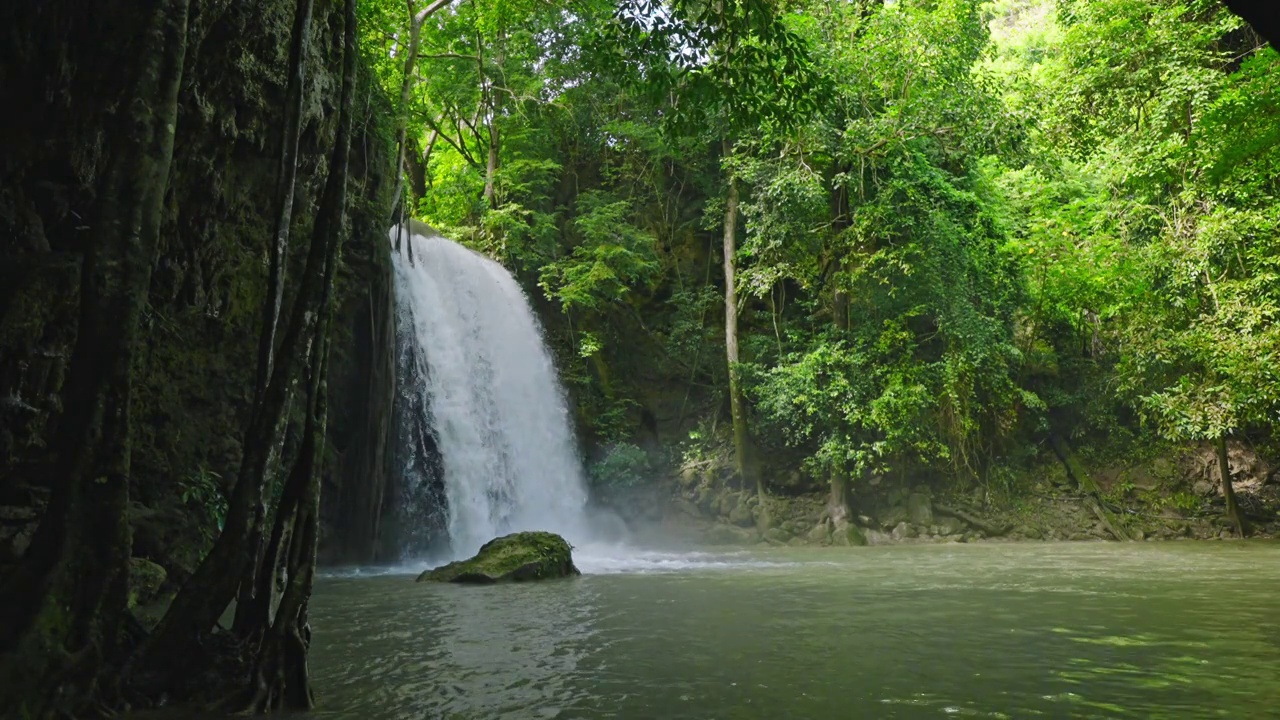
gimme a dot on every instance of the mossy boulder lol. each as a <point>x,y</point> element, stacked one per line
<point>741,516</point>
<point>511,558</point>
<point>145,579</point>
<point>820,534</point>
<point>846,533</point>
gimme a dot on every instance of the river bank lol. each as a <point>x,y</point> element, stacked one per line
<point>1171,496</point>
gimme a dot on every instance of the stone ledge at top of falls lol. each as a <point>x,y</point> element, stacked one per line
<point>517,557</point>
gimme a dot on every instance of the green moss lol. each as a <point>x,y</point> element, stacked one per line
<point>145,579</point>
<point>511,558</point>
<point>854,536</point>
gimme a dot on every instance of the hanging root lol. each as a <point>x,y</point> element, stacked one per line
<point>280,676</point>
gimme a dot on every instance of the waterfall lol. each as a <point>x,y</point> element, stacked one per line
<point>482,394</point>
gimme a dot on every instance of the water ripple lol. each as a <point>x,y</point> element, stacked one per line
<point>994,632</point>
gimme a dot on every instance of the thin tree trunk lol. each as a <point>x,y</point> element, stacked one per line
<point>408,239</point>
<point>1228,492</point>
<point>774,312</point>
<point>406,90</point>
<point>281,678</point>
<point>491,167</point>
<point>736,404</point>
<point>432,139</point>
<point>400,229</point>
<point>65,603</point>
<point>286,179</point>
<point>416,19</point>
<point>1092,494</point>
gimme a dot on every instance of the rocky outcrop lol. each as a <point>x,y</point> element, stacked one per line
<point>1172,495</point>
<point>518,557</point>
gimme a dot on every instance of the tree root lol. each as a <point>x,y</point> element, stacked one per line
<point>988,528</point>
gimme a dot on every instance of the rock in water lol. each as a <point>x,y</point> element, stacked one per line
<point>511,558</point>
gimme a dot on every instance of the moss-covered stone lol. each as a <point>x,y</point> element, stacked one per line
<point>741,516</point>
<point>512,558</point>
<point>820,534</point>
<point>145,579</point>
<point>846,533</point>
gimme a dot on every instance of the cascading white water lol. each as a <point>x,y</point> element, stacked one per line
<point>497,410</point>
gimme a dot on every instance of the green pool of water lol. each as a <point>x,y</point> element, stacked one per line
<point>1173,630</point>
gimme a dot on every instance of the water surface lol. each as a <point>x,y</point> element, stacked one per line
<point>1172,630</point>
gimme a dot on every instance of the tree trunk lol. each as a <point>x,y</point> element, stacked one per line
<point>838,503</point>
<point>281,676</point>
<point>406,89</point>
<point>736,404</point>
<point>495,110</point>
<point>432,139</point>
<point>286,178</point>
<point>1092,499</point>
<point>280,671</point>
<point>210,589</point>
<point>1228,492</point>
<point>840,309</point>
<point>400,226</point>
<point>416,19</point>
<point>413,161</point>
<point>64,605</point>
<point>491,167</point>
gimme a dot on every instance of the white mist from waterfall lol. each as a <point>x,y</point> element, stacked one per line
<point>502,425</point>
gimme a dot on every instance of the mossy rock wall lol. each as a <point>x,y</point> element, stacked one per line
<point>194,373</point>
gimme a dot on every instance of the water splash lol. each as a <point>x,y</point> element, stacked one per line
<point>489,395</point>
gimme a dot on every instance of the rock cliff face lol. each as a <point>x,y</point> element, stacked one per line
<point>193,378</point>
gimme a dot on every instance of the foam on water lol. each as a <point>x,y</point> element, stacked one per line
<point>599,559</point>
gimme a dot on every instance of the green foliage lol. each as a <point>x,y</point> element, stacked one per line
<point>1183,501</point>
<point>786,219</point>
<point>613,257</point>
<point>202,494</point>
<point>965,225</point>
<point>739,65</point>
<point>1158,251</point>
<point>698,446</point>
<point>924,374</point>
<point>623,466</point>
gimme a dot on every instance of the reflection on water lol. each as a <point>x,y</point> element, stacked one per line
<point>399,649</point>
<point>1097,630</point>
